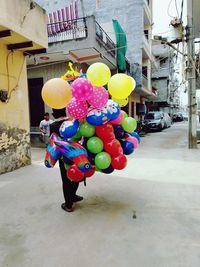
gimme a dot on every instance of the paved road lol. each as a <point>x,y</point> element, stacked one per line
<point>160,186</point>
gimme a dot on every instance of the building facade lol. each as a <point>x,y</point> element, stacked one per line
<point>135,17</point>
<point>19,36</point>
<point>165,80</point>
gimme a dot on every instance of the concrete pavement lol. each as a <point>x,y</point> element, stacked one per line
<point>160,186</point>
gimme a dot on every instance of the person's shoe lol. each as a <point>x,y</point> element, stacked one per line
<point>65,208</point>
<point>77,198</point>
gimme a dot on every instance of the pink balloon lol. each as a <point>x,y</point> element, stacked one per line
<point>77,109</point>
<point>99,97</point>
<point>133,140</point>
<point>118,120</point>
<point>81,89</point>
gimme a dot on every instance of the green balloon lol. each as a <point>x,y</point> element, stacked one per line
<point>129,124</point>
<point>95,145</point>
<point>76,137</point>
<point>87,129</point>
<point>98,170</point>
<point>102,160</point>
<point>125,115</point>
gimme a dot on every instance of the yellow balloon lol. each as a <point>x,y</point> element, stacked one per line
<point>134,83</point>
<point>98,74</point>
<point>120,86</point>
<point>121,102</point>
<point>56,93</point>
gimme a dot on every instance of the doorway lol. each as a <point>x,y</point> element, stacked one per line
<point>36,104</point>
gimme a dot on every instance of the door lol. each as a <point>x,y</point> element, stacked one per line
<point>36,104</point>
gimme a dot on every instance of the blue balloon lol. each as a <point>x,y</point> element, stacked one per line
<point>109,170</point>
<point>98,117</point>
<point>128,147</point>
<point>119,132</point>
<point>136,135</point>
<point>69,128</point>
<point>113,108</point>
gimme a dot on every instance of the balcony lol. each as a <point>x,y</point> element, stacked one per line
<point>82,40</point>
<point>67,30</point>
<point>146,49</point>
<point>145,82</point>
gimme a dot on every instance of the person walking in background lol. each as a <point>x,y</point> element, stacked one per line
<point>45,128</point>
<point>69,187</point>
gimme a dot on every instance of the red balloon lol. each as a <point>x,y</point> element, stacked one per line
<point>113,147</point>
<point>90,172</point>
<point>74,174</point>
<point>105,131</point>
<point>120,162</point>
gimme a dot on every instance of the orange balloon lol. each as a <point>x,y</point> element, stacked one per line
<point>56,93</point>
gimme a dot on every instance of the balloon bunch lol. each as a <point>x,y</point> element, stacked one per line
<point>74,156</point>
<point>97,122</point>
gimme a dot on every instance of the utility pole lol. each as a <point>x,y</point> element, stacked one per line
<point>191,77</point>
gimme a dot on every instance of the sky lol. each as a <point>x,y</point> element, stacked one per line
<point>163,11</point>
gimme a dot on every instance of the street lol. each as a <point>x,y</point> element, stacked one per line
<point>145,216</point>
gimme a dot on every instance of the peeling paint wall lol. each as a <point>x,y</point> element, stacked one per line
<point>14,115</point>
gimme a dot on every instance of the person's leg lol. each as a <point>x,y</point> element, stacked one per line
<point>69,187</point>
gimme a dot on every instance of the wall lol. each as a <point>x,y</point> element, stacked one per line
<point>14,115</point>
<point>163,89</point>
<point>17,16</point>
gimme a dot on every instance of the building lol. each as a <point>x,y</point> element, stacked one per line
<point>164,78</point>
<point>87,36</point>
<point>19,36</point>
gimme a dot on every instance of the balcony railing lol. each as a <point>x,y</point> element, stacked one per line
<point>67,30</point>
<point>105,40</point>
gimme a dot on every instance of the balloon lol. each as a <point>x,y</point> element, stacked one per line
<point>121,102</point>
<point>69,128</point>
<point>56,93</point>
<point>95,145</point>
<point>120,162</point>
<point>74,174</point>
<point>120,86</point>
<point>129,124</point>
<point>113,108</point>
<point>98,74</point>
<point>98,117</point>
<point>133,140</point>
<point>113,147</point>
<point>90,172</point>
<point>77,136</point>
<point>108,170</point>
<point>91,157</point>
<point>118,119</point>
<point>81,89</point>
<point>136,135</point>
<point>105,131</point>
<point>77,109</point>
<point>87,129</point>
<point>102,160</point>
<point>98,98</point>
<point>128,147</point>
<point>52,152</point>
<point>125,115</point>
<point>134,83</point>
<point>119,132</point>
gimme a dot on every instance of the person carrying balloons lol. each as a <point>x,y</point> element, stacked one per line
<point>98,136</point>
<point>69,187</point>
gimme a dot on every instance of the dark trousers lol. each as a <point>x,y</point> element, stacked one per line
<point>69,188</point>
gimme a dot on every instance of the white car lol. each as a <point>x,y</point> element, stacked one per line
<point>167,120</point>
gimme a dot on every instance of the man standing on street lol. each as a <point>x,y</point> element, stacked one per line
<point>45,128</point>
<point>69,187</point>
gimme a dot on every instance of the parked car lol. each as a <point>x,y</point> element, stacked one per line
<point>185,116</point>
<point>168,120</point>
<point>177,117</point>
<point>155,120</point>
